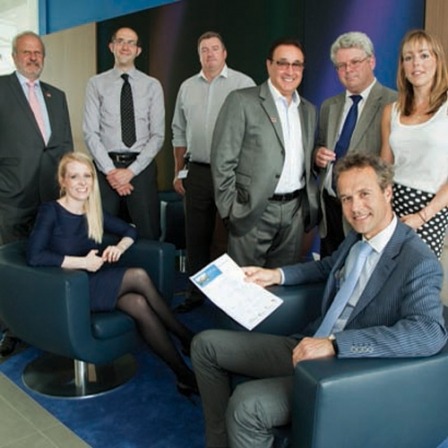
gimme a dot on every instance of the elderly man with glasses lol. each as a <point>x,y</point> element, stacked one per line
<point>350,121</point>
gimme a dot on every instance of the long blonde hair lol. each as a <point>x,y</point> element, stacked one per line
<point>439,86</point>
<point>92,207</point>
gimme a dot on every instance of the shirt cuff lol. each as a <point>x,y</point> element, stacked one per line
<point>282,276</point>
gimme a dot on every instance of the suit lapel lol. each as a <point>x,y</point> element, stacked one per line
<point>368,114</point>
<point>270,108</point>
<point>23,102</point>
<point>335,274</point>
<point>334,120</point>
<point>49,104</point>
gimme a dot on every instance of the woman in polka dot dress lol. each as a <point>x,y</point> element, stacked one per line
<point>415,138</point>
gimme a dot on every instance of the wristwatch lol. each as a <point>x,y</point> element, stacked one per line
<point>334,343</point>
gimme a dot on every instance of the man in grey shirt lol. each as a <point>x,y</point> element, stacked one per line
<point>127,169</point>
<point>198,103</point>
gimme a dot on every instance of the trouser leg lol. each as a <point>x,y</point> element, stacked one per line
<point>109,197</point>
<point>255,408</point>
<point>275,240</point>
<point>143,203</point>
<point>216,354</point>
<point>335,230</point>
<point>200,215</point>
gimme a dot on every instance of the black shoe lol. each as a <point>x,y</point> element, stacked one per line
<point>8,344</point>
<point>186,351</point>
<point>187,387</point>
<point>186,383</point>
<point>190,304</point>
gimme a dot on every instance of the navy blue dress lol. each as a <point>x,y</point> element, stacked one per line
<point>58,233</point>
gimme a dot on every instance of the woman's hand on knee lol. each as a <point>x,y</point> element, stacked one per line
<point>112,254</point>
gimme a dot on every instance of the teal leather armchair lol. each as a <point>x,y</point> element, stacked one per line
<point>357,403</point>
<point>49,308</point>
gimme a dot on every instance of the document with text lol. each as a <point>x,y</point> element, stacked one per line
<point>222,281</point>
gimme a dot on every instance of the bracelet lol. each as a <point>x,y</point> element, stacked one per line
<point>422,216</point>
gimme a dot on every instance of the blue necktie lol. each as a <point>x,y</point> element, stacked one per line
<point>347,130</point>
<point>360,251</point>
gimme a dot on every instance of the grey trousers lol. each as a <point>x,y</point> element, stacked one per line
<point>244,418</point>
<point>275,240</point>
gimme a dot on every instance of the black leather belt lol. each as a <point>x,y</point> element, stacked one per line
<point>123,157</point>
<point>285,197</point>
<point>206,165</point>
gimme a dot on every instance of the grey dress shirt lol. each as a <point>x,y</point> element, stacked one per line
<point>102,128</point>
<point>197,106</point>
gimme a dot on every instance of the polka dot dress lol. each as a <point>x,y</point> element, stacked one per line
<point>408,200</point>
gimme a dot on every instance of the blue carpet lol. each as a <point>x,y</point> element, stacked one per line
<point>145,412</point>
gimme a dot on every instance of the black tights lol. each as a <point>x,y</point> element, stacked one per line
<point>139,298</point>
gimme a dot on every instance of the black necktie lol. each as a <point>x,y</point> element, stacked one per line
<point>348,128</point>
<point>127,113</point>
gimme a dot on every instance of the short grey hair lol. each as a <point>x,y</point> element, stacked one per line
<point>26,34</point>
<point>354,39</point>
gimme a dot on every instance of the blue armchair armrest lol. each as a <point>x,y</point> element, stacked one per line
<point>371,403</point>
<point>50,307</point>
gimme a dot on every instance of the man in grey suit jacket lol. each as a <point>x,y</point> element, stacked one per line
<point>261,163</point>
<point>28,156</point>
<point>394,311</point>
<point>353,57</point>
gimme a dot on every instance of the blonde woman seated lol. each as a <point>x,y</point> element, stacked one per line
<point>68,233</point>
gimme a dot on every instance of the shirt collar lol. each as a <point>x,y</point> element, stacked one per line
<point>380,240</point>
<point>24,80</point>
<point>132,72</point>
<point>364,93</point>
<point>278,96</point>
<point>224,73</point>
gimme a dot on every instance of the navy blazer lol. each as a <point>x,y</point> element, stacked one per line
<point>399,313</point>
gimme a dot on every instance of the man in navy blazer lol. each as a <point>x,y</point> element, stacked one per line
<point>394,311</point>
<point>29,156</point>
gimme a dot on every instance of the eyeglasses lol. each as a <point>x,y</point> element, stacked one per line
<point>129,43</point>
<point>297,66</point>
<point>354,63</point>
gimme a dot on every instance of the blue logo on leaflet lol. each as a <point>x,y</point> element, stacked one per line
<point>207,276</point>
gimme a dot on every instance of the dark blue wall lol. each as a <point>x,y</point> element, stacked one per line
<point>56,15</point>
<point>384,21</point>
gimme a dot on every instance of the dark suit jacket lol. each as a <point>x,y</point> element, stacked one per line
<point>28,166</point>
<point>248,154</point>
<point>366,136</point>
<point>399,312</point>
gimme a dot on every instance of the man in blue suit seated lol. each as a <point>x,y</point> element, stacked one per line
<point>383,304</point>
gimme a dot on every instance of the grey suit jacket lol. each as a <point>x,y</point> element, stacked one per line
<point>27,165</point>
<point>248,154</point>
<point>366,136</point>
<point>399,313</point>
